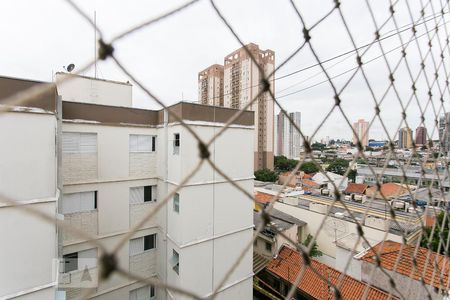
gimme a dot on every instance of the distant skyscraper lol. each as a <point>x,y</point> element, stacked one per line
<point>444,134</point>
<point>289,140</point>
<point>360,129</point>
<point>210,86</point>
<point>235,84</point>
<point>242,82</point>
<point>421,136</point>
<point>405,138</point>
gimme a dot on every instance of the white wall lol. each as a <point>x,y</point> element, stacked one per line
<point>27,156</point>
<point>325,238</point>
<point>27,172</point>
<point>215,220</point>
<point>97,91</point>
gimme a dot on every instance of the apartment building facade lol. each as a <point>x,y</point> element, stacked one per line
<point>28,160</point>
<point>362,134</point>
<point>210,85</point>
<point>444,136</point>
<point>241,84</point>
<point>421,136</point>
<point>289,140</point>
<point>405,138</point>
<point>117,164</point>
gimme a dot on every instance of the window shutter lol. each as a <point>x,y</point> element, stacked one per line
<point>145,143</point>
<point>136,195</point>
<point>133,143</point>
<point>88,143</point>
<point>153,143</point>
<point>136,246</point>
<point>87,201</point>
<point>71,203</point>
<point>87,258</point>
<point>143,293</point>
<point>70,142</point>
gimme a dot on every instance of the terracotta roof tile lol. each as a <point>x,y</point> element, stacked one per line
<point>391,251</point>
<point>356,188</point>
<point>289,262</point>
<point>389,190</point>
<point>309,183</point>
<point>263,198</point>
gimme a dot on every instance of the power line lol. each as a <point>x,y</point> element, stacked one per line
<point>354,68</point>
<point>411,25</point>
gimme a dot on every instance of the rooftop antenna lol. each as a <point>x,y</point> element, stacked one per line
<point>95,44</point>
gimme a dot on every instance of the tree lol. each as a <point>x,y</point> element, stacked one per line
<point>282,163</point>
<point>338,166</point>
<point>434,243</point>
<point>368,148</point>
<point>315,252</point>
<point>309,167</point>
<point>266,175</point>
<point>318,146</point>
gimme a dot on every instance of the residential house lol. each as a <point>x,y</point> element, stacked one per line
<point>331,180</point>
<point>388,191</point>
<point>282,271</point>
<point>420,273</point>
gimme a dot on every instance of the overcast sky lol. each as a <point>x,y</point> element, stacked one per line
<point>38,38</point>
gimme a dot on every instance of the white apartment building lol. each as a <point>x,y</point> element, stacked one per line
<point>289,140</point>
<point>117,164</point>
<point>210,85</point>
<point>28,162</point>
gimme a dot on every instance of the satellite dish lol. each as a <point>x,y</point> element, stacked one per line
<point>70,68</point>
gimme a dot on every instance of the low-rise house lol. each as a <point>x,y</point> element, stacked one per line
<point>309,184</point>
<point>282,272</point>
<point>331,180</point>
<point>269,241</point>
<point>388,191</point>
<point>429,279</point>
<point>356,188</point>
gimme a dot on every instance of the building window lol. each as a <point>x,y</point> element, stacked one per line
<point>142,143</point>
<point>176,202</point>
<point>70,262</point>
<point>142,244</point>
<point>80,260</point>
<point>79,202</point>
<point>175,261</point>
<point>142,194</point>
<point>79,142</point>
<point>268,246</point>
<point>176,143</point>
<point>143,293</point>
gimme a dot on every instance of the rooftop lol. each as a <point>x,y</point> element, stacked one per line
<point>388,190</point>
<point>389,252</point>
<point>356,188</point>
<point>289,262</point>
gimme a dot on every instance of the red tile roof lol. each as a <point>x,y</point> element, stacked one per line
<point>308,176</point>
<point>263,198</point>
<point>391,251</point>
<point>388,190</point>
<point>356,188</point>
<point>310,183</point>
<point>289,262</point>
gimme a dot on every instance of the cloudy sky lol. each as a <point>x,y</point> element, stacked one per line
<point>38,38</point>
